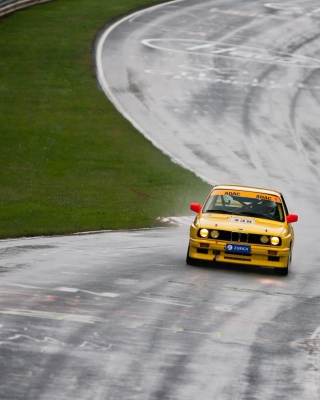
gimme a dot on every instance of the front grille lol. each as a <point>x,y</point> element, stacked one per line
<point>241,237</point>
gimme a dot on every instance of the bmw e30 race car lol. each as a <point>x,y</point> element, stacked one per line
<point>243,225</point>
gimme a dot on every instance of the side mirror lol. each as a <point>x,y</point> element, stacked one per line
<point>292,218</point>
<point>195,207</point>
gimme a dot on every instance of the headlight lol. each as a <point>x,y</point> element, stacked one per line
<point>264,239</point>
<point>275,240</point>
<point>204,233</point>
<point>214,234</point>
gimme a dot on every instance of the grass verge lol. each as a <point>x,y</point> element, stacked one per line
<point>69,161</point>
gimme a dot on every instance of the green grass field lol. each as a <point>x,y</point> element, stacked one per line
<point>69,161</point>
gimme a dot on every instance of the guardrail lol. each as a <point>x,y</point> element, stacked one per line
<point>9,6</point>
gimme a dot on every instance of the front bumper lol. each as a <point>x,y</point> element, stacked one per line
<point>210,250</point>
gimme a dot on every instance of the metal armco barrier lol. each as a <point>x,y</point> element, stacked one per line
<point>9,6</point>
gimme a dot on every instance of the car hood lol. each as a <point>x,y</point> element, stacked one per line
<point>245,224</point>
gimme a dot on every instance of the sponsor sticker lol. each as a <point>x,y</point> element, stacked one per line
<point>237,248</point>
<point>243,193</point>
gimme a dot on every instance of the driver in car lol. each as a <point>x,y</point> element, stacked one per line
<point>269,208</point>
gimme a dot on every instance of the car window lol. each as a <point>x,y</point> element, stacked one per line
<point>243,203</point>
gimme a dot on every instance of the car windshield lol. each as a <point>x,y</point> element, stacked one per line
<point>243,203</point>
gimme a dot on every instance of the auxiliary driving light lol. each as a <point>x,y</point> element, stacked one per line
<point>204,233</point>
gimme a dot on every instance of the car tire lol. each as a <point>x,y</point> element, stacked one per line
<point>190,260</point>
<point>281,271</point>
<point>284,271</point>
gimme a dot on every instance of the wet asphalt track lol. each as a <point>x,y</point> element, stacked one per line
<point>119,315</point>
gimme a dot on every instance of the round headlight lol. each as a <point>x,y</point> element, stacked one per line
<point>275,240</point>
<point>214,234</point>
<point>264,239</point>
<point>204,233</point>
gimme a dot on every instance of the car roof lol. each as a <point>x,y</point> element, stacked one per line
<point>248,188</point>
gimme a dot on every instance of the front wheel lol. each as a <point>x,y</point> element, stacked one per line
<point>190,260</point>
<point>284,271</point>
<point>281,271</point>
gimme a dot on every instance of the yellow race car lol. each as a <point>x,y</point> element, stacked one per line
<point>243,225</point>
